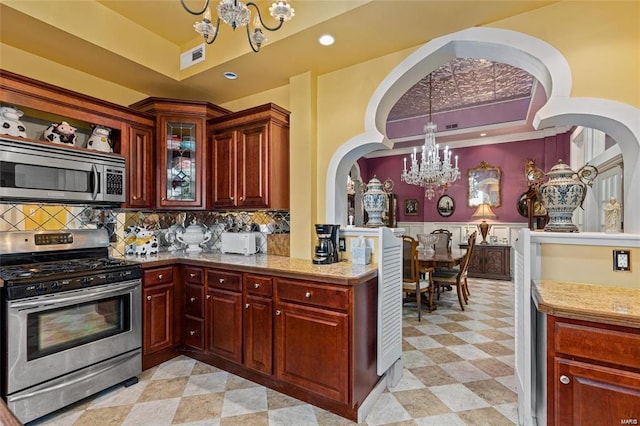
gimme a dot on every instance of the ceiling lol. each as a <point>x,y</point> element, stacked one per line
<point>363,30</point>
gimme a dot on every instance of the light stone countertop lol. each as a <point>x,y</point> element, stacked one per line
<point>339,273</point>
<point>590,302</point>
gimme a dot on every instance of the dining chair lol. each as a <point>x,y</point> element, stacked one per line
<point>444,242</point>
<point>457,276</point>
<point>414,279</point>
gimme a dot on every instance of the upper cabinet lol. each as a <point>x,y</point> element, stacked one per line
<point>131,132</point>
<point>181,151</point>
<point>249,159</point>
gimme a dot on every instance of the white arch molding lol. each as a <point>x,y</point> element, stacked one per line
<point>538,58</point>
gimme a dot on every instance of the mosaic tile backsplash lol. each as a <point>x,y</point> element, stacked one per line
<point>21,217</point>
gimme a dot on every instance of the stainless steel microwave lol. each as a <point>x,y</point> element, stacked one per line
<point>35,172</point>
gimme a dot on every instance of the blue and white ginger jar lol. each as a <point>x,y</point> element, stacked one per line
<point>561,195</point>
<point>374,201</point>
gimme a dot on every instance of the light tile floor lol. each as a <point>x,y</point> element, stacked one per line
<point>458,370</point>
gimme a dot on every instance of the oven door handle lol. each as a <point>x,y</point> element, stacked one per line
<point>95,294</point>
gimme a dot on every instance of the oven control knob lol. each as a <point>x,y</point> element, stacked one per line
<point>41,287</point>
<point>55,285</point>
<point>85,281</point>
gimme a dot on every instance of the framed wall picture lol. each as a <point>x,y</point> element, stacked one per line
<point>411,207</point>
<point>446,206</point>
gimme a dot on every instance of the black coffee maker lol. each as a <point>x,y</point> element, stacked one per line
<point>327,248</point>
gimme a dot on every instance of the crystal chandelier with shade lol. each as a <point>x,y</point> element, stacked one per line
<point>432,171</point>
<point>237,14</point>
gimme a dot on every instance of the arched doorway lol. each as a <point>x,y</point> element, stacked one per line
<point>544,62</point>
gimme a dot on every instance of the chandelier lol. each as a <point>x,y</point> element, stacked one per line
<point>432,172</point>
<point>237,14</point>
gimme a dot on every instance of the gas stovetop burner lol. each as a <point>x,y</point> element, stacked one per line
<point>46,269</point>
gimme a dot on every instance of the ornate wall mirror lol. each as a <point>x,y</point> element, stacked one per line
<point>484,185</point>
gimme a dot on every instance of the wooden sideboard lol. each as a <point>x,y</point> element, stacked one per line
<point>490,261</point>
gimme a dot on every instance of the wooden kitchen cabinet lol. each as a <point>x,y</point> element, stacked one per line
<point>158,313</point>
<point>258,323</point>
<point>593,373</point>
<point>140,167</point>
<point>181,174</point>
<point>194,299</point>
<point>250,159</point>
<point>491,261</point>
<point>224,314</point>
<point>312,337</point>
<point>131,130</point>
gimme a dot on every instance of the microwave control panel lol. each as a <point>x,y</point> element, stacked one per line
<point>115,182</point>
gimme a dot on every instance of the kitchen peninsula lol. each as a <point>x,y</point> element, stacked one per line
<point>305,330</point>
<point>592,352</point>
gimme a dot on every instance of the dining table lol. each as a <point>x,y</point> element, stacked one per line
<point>440,259</point>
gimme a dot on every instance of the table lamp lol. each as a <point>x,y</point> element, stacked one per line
<point>484,212</point>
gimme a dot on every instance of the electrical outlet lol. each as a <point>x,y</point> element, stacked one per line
<point>622,260</point>
<point>342,244</point>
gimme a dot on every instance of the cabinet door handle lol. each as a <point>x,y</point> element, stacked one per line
<point>164,199</point>
<point>160,276</point>
<point>192,299</point>
<point>278,312</point>
<point>135,198</point>
<point>221,280</point>
<point>208,296</point>
<point>308,295</point>
<point>241,198</point>
<point>231,198</point>
<point>256,285</point>
<point>148,297</point>
<point>565,380</point>
<point>192,332</point>
<point>247,306</point>
<point>192,275</point>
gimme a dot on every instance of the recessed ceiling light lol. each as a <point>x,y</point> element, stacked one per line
<point>483,134</point>
<point>326,40</point>
<point>230,75</point>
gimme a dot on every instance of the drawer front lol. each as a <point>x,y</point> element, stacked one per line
<point>194,296</point>
<point>598,344</point>
<point>193,275</point>
<point>226,280</point>
<point>158,276</point>
<point>313,294</point>
<point>194,333</point>
<point>258,285</point>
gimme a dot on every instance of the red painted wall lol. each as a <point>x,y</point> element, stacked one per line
<point>510,157</point>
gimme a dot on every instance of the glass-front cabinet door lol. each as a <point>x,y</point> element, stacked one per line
<point>181,163</point>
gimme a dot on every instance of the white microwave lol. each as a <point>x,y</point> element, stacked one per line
<point>39,172</point>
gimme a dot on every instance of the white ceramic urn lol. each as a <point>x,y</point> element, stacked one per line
<point>561,195</point>
<point>194,236</point>
<point>374,201</point>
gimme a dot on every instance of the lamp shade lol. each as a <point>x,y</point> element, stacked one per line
<point>483,212</point>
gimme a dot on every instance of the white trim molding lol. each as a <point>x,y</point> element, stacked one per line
<point>538,58</point>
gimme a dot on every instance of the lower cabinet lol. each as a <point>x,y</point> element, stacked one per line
<point>194,299</point>
<point>223,323</point>
<point>593,373</point>
<point>310,343</point>
<point>158,336</point>
<point>258,323</point>
<point>312,340</point>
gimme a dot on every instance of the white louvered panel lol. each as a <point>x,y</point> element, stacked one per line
<point>389,300</point>
<point>523,327</point>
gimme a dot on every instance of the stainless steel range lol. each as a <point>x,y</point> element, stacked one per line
<point>71,319</point>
